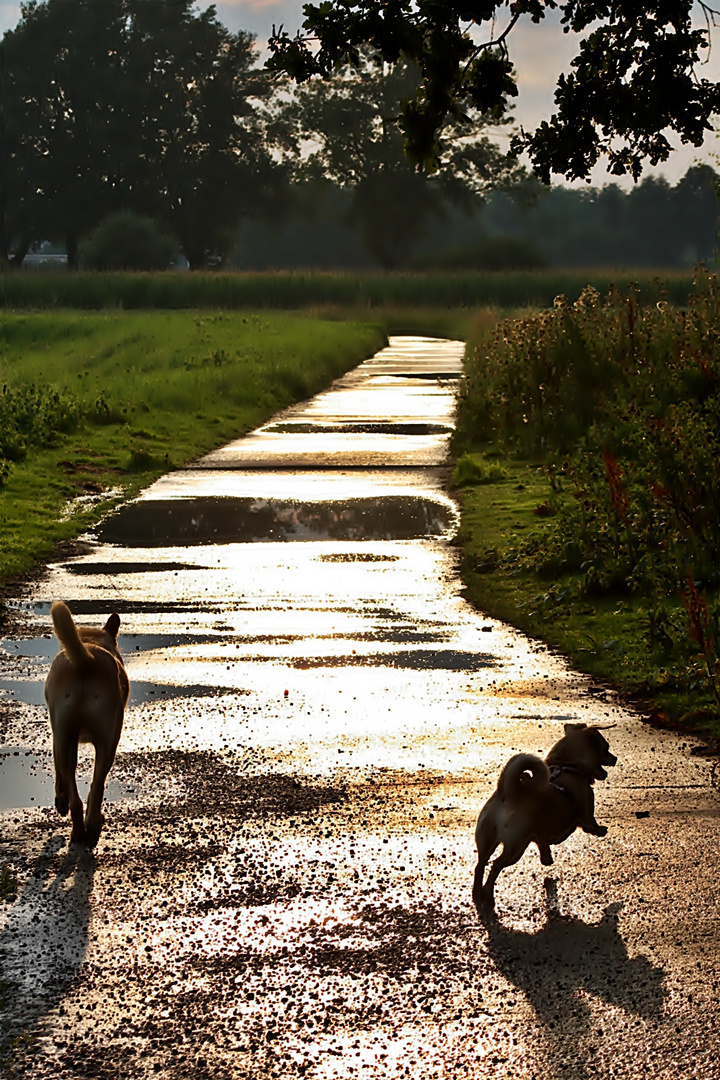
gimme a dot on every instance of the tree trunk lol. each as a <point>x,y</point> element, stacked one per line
<point>18,256</point>
<point>71,245</point>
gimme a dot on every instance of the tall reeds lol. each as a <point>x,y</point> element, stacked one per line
<point>296,290</point>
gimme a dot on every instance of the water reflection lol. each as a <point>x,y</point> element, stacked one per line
<point>27,778</point>
<point>209,519</point>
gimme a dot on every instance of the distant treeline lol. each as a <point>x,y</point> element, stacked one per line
<point>654,225</point>
<point>138,134</point>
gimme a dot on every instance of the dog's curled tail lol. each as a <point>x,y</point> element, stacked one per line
<point>514,778</point>
<point>67,634</point>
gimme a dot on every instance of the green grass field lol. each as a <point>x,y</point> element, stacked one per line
<point>95,406</point>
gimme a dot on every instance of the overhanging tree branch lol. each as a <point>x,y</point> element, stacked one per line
<point>632,84</point>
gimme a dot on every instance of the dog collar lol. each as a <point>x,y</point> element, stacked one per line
<point>557,770</point>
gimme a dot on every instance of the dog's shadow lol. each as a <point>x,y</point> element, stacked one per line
<point>45,938</point>
<point>565,964</point>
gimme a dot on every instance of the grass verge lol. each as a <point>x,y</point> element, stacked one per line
<point>97,405</point>
<point>507,504</point>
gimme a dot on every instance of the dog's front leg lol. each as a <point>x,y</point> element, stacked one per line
<point>66,793</point>
<point>545,853</point>
<point>94,820</point>
<point>587,818</point>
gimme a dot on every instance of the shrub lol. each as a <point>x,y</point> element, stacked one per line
<point>621,400</point>
<point>128,241</point>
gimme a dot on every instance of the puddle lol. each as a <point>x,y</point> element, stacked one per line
<point>388,428</point>
<point>91,569</point>
<point>394,410</point>
<point>26,780</point>
<point>30,691</point>
<point>232,520</point>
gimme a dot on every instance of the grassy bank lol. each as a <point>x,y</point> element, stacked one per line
<point>343,292</point>
<point>93,407</point>
<point>589,443</point>
<point>608,636</point>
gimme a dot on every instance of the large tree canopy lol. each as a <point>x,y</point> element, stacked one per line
<point>342,131</point>
<point>635,77</point>
<point>143,105</point>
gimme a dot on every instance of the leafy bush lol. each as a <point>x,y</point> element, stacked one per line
<point>128,241</point>
<point>31,416</point>
<point>621,401</point>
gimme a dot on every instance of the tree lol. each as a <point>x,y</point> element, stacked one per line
<point>139,105</point>
<point>634,77</point>
<point>344,133</point>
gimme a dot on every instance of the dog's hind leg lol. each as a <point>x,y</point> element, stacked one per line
<point>478,893</point>
<point>545,853</point>
<point>94,820</point>
<point>66,792</point>
<point>62,800</point>
<point>486,841</point>
<point>509,855</point>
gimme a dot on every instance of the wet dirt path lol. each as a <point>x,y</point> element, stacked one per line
<point>283,884</point>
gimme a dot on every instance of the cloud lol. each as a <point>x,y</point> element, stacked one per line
<point>258,16</point>
<point>9,15</point>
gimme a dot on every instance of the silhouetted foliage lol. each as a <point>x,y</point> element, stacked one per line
<point>344,131</point>
<point>633,79</point>
<point>139,104</point>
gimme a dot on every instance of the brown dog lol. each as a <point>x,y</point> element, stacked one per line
<point>86,693</point>
<point>542,802</point>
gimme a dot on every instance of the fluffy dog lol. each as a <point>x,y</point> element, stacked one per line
<point>542,802</point>
<point>86,693</point>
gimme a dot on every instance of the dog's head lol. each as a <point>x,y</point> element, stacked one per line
<point>586,748</point>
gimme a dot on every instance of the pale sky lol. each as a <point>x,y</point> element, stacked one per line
<point>538,52</point>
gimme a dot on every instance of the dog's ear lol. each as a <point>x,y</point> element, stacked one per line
<point>112,626</point>
<point>574,727</point>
